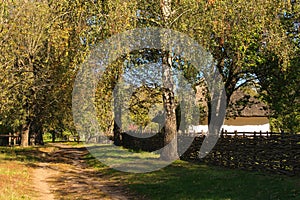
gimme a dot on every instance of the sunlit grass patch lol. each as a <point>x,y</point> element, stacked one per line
<point>14,180</point>
<point>110,151</point>
<point>30,154</point>
<point>16,173</point>
<point>125,159</point>
<point>185,180</point>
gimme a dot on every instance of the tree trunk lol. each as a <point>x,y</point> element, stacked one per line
<point>39,138</point>
<point>118,117</point>
<point>216,114</point>
<point>170,134</point>
<point>37,133</point>
<point>53,136</point>
<point>25,135</point>
<point>117,134</point>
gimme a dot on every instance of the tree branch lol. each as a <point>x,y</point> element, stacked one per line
<point>179,16</point>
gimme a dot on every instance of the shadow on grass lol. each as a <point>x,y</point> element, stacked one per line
<point>43,153</point>
<point>68,174</point>
<point>28,154</point>
<point>185,180</point>
<point>181,180</point>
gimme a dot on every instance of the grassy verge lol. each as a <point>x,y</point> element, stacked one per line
<point>15,180</point>
<point>179,181</point>
<point>27,155</point>
<point>184,180</point>
<point>16,170</point>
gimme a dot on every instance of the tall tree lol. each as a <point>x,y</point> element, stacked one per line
<point>278,82</point>
<point>27,24</point>
<point>170,128</point>
<point>237,33</point>
<point>41,47</point>
<point>115,17</point>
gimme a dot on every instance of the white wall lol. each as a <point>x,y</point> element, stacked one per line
<point>228,128</point>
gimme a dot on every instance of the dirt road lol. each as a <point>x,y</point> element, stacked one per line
<point>65,175</point>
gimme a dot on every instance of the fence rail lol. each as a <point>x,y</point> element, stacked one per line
<point>259,151</point>
<point>275,152</point>
<point>9,139</point>
<point>252,134</point>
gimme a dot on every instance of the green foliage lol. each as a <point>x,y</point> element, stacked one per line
<point>41,48</point>
<point>42,43</point>
<point>280,90</point>
<point>280,81</point>
<point>142,100</point>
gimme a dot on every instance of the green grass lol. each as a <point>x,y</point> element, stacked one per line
<point>180,180</point>
<point>24,154</point>
<point>16,171</point>
<point>184,180</point>
<point>124,159</point>
<point>14,175</point>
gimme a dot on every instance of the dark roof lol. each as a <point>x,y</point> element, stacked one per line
<point>246,105</point>
<point>242,103</point>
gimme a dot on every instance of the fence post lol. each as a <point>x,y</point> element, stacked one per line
<point>9,139</point>
<point>282,134</point>
<point>15,139</point>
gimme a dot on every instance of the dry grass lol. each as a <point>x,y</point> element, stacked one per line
<point>59,172</point>
<point>16,171</point>
<point>15,181</point>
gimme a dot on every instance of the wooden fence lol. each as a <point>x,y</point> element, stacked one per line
<point>9,139</point>
<point>275,152</point>
<point>145,144</point>
<point>259,151</point>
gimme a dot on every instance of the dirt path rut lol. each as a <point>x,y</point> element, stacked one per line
<point>65,175</point>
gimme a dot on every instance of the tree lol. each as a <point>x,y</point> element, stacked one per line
<point>25,32</point>
<point>113,17</point>
<point>239,35</point>
<point>235,32</point>
<point>43,42</point>
<point>41,45</point>
<point>279,82</point>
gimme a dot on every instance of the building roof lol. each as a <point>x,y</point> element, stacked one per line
<point>243,103</point>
